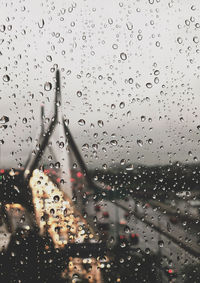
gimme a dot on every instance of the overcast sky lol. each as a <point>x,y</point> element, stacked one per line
<point>131,64</point>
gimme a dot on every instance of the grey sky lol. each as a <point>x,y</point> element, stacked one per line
<point>133,52</point>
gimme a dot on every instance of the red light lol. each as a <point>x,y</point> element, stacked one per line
<point>79,174</point>
<point>72,180</point>
<point>46,171</point>
<point>108,188</point>
<point>121,237</point>
<point>2,171</point>
<point>133,235</point>
<point>170,271</point>
<point>97,208</point>
<point>58,180</point>
<point>105,214</point>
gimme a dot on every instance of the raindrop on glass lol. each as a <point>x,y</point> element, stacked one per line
<point>123,56</point>
<point>24,120</point>
<point>195,39</point>
<point>149,85</point>
<point>47,86</point>
<point>129,26</point>
<point>81,122</point>
<point>4,119</point>
<point>121,105</point>
<point>140,143</point>
<point>41,23</point>
<point>49,58</point>
<point>113,142</point>
<point>179,40</point>
<point>6,78</point>
<point>100,123</point>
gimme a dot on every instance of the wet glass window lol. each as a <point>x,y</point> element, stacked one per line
<point>99,141</point>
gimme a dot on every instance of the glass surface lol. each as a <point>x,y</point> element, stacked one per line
<point>99,141</point>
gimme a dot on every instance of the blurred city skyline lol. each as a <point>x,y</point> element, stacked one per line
<point>130,70</point>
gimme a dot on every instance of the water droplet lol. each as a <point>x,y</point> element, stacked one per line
<point>114,46</point>
<point>129,167</point>
<point>161,244</point>
<point>81,122</point>
<point>47,86</point>
<point>66,121</point>
<point>129,26</point>
<point>139,37</point>
<point>41,23</point>
<point>49,58</point>
<point>100,123</point>
<point>168,227</point>
<point>179,40</point>
<point>57,165</point>
<point>6,78</point>
<point>195,39</point>
<point>85,146</point>
<point>4,119</point>
<point>110,21</point>
<point>149,85</point>
<point>123,56</point>
<point>24,120</point>
<point>56,198</point>
<point>123,245</point>
<point>79,93</point>
<point>140,143</point>
<point>2,28</point>
<point>147,251</point>
<point>61,144</point>
<point>150,141</point>
<point>104,166</point>
<point>143,118</point>
<point>113,142</point>
<point>126,229</point>
<point>157,43</point>
<point>187,22</point>
<point>121,105</point>
<point>113,106</point>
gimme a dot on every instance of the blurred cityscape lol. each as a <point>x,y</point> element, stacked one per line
<point>61,222</point>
